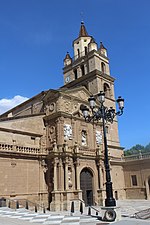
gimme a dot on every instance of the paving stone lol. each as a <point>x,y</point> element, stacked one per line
<point>52,223</point>
<point>131,222</point>
<point>22,216</point>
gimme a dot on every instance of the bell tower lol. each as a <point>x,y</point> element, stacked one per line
<point>89,66</point>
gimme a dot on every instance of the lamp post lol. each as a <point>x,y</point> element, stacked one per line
<point>106,115</point>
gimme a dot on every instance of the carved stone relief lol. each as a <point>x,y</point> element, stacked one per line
<point>43,141</point>
<point>80,94</point>
<point>67,106</point>
<point>67,132</point>
<point>83,95</point>
<point>35,108</point>
<point>98,137</point>
<point>50,108</point>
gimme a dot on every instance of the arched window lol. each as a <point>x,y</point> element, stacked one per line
<point>75,74</point>
<point>107,90</point>
<point>78,52</point>
<point>82,70</point>
<point>103,67</point>
<point>85,48</point>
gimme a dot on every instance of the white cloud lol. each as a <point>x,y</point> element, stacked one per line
<point>6,104</point>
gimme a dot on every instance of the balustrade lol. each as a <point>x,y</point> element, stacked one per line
<point>16,148</point>
<point>137,156</point>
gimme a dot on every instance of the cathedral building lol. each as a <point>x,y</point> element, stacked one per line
<point>48,152</point>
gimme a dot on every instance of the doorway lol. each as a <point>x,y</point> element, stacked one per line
<point>86,185</point>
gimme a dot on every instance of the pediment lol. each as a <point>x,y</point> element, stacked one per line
<point>80,92</point>
<point>31,106</point>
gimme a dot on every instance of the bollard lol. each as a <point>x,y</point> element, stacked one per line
<point>27,206</point>
<point>72,207</point>
<point>8,203</point>
<point>44,210</point>
<point>35,208</point>
<point>17,204</point>
<point>81,208</point>
<point>89,211</point>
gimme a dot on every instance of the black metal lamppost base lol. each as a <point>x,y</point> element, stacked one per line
<point>109,201</point>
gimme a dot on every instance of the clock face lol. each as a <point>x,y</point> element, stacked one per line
<point>67,79</point>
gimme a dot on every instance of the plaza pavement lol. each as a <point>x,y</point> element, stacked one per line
<point>23,217</point>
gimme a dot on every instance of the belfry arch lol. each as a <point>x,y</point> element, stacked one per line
<point>86,185</point>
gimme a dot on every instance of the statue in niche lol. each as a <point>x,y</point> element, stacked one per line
<point>67,132</point>
<point>70,177</point>
<point>84,138</point>
<point>51,134</point>
<point>98,137</point>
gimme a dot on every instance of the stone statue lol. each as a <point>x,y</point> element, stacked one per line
<point>67,132</point>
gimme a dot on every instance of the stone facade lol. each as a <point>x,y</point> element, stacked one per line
<point>137,176</point>
<point>48,153</point>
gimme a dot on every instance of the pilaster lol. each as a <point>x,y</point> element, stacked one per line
<point>55,175</point>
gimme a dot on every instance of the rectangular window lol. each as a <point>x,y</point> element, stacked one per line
<point>134,180</point>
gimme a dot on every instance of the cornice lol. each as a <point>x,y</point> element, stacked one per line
<point>87,77</point>
<point>21,117</point>
<point>8,130</point>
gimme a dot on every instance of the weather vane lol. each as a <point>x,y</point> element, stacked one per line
<point>81,14</point>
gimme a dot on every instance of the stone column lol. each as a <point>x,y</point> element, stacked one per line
<point>85,68</point>
<point>61,176</point>
<point>101,178</point>
<point>60,131</point>
<point>66,174</point>
<point>79,72</point>
<point>98,174</point>
<point>55,175</point>
<point>147,189</point>
<point>94,136</point>
<point>77,175</point>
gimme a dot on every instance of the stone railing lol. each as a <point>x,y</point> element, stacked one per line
<point>20,149</point>
<point>85,151</point>
<point>136,157</point>
<point>88,152</point>
<point>82,54</point>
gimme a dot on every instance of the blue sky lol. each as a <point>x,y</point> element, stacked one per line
<point>36,34</point>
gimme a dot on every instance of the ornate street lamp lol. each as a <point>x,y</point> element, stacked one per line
<point>106,115</point>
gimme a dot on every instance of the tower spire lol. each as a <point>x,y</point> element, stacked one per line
<point>83,32</point>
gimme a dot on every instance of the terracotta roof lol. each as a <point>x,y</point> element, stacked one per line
<point>83,32</point>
